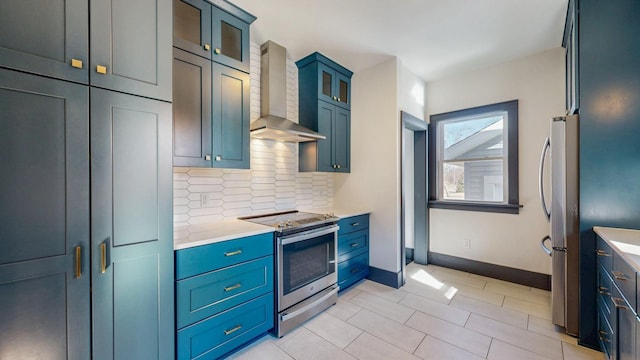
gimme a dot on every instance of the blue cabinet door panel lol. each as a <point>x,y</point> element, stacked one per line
<point>353,270</point>
<point>219,334</point>
<point>353,223</point>
<point>326,123</point>
<point>353,243</point>
<point>201,259</point>
<point>230,124</point>
<point>204,295</point>
<point>342,140</point>
<point>132,292</point>
<point>190,36</point>
<point>134,44</point>
<point>47,49</point>
<point>44,187</point>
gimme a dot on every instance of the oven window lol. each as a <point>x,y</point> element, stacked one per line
<point>306,261</point>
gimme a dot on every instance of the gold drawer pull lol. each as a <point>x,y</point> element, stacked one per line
<point>602,253</point>
<point>207,47</point>
<point>355,244</point>
<point>604,290</point>
<point>78,262</point>
<point>355,224</point>
<point>233,253</point>
<point>232,287</point>
<point>619,303</point>
<point>103,258</point>
<point>618,275</point>
<point>216,51</point>
<point>76,63</point>
<point>233,329</point>
<point>101,69</point>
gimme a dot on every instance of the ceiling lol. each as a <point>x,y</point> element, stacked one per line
<point>432,38</point>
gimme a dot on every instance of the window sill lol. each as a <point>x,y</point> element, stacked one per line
<point>474,206</point>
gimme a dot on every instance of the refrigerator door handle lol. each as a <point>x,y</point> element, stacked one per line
<point>546,147</point>
<point>544,248</point>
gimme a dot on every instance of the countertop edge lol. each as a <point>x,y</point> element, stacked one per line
<point>608,234</point>
<point>221,238</point>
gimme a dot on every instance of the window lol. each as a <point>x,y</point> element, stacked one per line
<point>473,159</point>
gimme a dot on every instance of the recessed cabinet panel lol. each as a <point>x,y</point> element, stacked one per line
<point>192,26</point>
<point>191,109</point>
<point>61,35</point>
<point>132,277</point>
<point>326,121</point>
<point>230,37</point>
<point>135,185</point>
<point>230,125</point>
<point>342,140</point>
<point>44,187</point>
<point>131,48</point>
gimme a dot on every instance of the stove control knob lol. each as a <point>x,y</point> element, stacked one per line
<point>328,216</point>
<point>281,225</point>
<point>289,223</point>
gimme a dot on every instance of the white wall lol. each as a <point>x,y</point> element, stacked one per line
<point>510,240</point>
<point>374,181</point>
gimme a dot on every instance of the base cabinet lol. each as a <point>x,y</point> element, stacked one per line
<point>353,250</point>
<point>224,296</point>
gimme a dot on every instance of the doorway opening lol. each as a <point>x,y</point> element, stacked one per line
<point>413,173</point>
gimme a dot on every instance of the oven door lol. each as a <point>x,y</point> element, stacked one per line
<point>306,264</point>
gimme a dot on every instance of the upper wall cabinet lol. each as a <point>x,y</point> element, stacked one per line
<point>57,47</point>
<point>570,43</point>
<point>330,81</point>
<point>324,106</point>
<point>131,48</point>
<point>219,32</point>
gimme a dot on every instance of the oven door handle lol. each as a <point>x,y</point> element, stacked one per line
<point>287,316</point>
<point>308,235</point>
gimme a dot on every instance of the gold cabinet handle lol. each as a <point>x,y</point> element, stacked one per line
<point>354,244</point>
<point>103,258</point>
<point>602,253</point>
<point>76,63</point>
<point>216,51</point>
<point>233,253</point>
<point>619,303</point>
<point>101,69</point>
<point>232,287</point>
<point>618,275</point>
<point>338,166</point>
<point>339,99</point>
<point>78,262</point>
<point>207,157</point>
<point>335,98</point>
<point>603,290</point>
<point>233,329</point>
<point>355,224</point>
<point>218,158</point>
<point>207,47</point>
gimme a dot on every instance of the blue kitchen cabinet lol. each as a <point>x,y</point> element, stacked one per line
<point>44,222</point>
<point>216,30</point>
<point>607,79</point>
<point>224,295</point>
<point>57,47</point>
<point>130,47</point>
<point>131,227</point>
<point>353,250</point>
<point>324,106</point>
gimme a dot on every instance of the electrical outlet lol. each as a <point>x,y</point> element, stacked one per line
<point>204,200</point>
<point>467,243</point>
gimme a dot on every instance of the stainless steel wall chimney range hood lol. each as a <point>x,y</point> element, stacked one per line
<point>273,124</point>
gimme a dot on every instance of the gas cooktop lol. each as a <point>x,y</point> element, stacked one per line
<point>292,221</point>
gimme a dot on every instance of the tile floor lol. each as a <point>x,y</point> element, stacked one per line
<point>439,314</point>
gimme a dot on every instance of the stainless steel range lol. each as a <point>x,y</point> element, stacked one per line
<point>306,267</point>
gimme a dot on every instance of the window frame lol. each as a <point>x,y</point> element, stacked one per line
<point>510,203</point>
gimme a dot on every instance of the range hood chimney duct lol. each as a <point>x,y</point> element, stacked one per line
<point>273,123</point>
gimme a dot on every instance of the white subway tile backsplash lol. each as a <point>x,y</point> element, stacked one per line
<point>272,184</point>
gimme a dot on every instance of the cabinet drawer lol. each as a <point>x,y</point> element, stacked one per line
<point>352,270</point>
<point>204,295</point>
<point>201,259</point>
<point>353,243</point>
<point>605,335</point>
<point>219,334</point>
<point>354,223</point>
<point>604,254</point>
<point>605,288</point>
<point>624,276</point>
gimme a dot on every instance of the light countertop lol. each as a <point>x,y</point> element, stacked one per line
<point>626,241</point>
<point>186,236</point>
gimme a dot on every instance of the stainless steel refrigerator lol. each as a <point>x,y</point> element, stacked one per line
<point>561,148</point>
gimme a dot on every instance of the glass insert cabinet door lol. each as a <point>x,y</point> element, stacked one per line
<point>207,31</point>
<point>333,86</point>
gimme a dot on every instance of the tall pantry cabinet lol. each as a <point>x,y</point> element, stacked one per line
<point>86,266</point>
